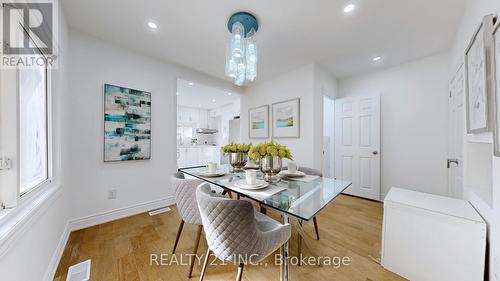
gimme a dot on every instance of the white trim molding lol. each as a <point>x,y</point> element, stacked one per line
<point>96,219</point>
<point>56,257</point>
<point>21,218</point>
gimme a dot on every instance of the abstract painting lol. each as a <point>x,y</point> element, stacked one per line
<point>496,127</point>
<point>258,122</point>
<point>478,71</point>
<point>286,119</point>
<point>127,124</point>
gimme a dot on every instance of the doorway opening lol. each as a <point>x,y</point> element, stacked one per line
<point>207,119</point>
<point>328,136</point>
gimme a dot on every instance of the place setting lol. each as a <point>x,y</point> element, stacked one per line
<point>212,171</point>
<point>293,174</point>
<point>255,187</point>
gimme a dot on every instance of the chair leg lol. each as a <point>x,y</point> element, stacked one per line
<point>230,194</point>
<point>240,272</point>
<point>299,245</point>
<point>315,221</point>
<point>196,244</point>
<point>178,236</point>
<point>205,264</point>
<point>281,264</point>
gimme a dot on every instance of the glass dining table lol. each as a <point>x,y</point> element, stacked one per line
<point>292,197</point>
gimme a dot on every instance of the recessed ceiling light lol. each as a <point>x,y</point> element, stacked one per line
<point>190,83</point>
<point>349,8</point>
<point>375,59</point>
<point>178,94</point>
<point>229,94</point>
<point>152,25</point>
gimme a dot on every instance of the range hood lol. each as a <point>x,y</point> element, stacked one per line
<point>206,131</point>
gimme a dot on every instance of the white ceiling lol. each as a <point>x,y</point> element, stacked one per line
<point>201,96</point>
<point>292,32</point>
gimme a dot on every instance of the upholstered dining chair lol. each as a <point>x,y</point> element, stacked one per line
<point>185,199</point>
<point>235,232</point>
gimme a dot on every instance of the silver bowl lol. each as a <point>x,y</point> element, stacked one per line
<point>270,167</point>
<point>238,160</point>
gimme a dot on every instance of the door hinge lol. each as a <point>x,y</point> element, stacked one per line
<point>5,164</point>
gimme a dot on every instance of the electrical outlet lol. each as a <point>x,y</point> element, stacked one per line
<point>112,194</point>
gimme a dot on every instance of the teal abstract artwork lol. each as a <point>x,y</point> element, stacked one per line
<point>127,124</point>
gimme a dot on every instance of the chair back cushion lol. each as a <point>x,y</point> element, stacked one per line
<point>229,225</point>
<point>185,198</point>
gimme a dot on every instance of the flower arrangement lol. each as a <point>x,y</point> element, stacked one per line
<point>271,149</point>
<point>236,147</point>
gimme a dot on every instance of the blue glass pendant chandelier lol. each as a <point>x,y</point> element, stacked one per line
<point>241,53</point>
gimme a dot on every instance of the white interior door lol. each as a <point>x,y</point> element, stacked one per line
<point>456,115</point>
<point>357,145</point>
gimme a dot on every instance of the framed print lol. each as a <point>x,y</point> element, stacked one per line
<point>258,122</point>
<point>478,78</point>
<point>127,124</point>
<point>286,119</point>
<point>496,97</point>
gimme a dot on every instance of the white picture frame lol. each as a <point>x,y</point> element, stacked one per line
<point>496,96</point>
<point>478,78</point>
<point>286,119</point>
<point>258,122</point>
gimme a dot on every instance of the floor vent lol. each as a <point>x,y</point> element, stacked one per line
<point>79,272</point>
<point>159,211</point>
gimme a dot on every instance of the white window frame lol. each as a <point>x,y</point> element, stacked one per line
<point>27,194</point>
<point>11,183</point>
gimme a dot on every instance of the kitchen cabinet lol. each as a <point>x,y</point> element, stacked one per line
<point>190,115</point>
<point>203,119</point>
<point>197,156</point>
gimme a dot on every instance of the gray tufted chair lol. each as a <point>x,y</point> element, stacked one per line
<point>185,199</point>
<point>234,230</point>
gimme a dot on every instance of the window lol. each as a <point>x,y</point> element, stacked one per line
<point>33,128</point>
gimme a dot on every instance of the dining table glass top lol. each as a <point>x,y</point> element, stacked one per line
<point>296,197</point>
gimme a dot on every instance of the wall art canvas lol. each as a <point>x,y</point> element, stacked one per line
<point>258,122</point>
<point>478,78</point>
<point>127,124</point>
<point>286,119</point>
<point>496,125</point>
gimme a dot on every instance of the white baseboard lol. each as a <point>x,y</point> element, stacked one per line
<point>96,219</point>
<point>56,257</point>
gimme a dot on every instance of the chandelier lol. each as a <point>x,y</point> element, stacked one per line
<point>241,52</point>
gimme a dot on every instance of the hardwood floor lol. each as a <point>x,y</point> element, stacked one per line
<point>120,250</point>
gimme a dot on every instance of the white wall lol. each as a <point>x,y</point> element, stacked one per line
<point>295,84</point>
<point>414,106</point>
<point>324,85</point>
<point>475,10</point>
<point>37,244</point>
<point>139,184</point>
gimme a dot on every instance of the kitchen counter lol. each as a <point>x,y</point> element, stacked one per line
<point>198,146</point>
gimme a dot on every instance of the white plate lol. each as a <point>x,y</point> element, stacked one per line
<point>207,175</point>
<point>260,184</point>
<point>297,174</point>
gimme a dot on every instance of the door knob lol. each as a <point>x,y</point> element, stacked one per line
<point>452,160</point>
<point>375,152</point>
